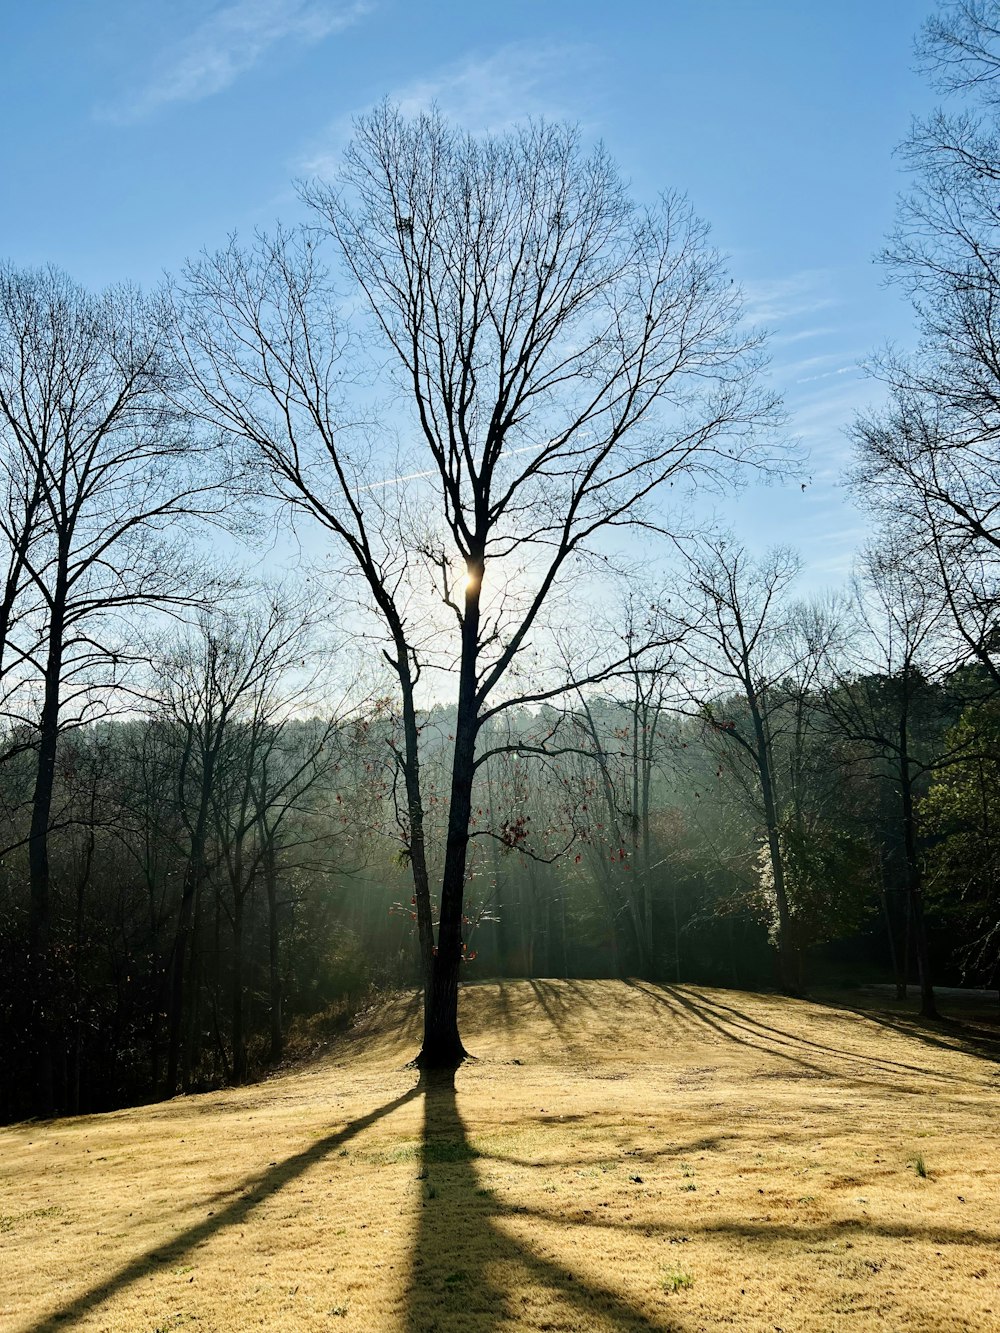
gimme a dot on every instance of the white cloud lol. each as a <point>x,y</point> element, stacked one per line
<point>479,93</point>
<point>826,374</point>
<point>231,41</point>
<point>491,92</point>
<point>785,339</point>
<point>776,301</point>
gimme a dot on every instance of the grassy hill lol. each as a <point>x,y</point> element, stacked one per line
<point>620,1157</point>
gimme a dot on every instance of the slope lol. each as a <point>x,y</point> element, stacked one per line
<point>621,1156</point>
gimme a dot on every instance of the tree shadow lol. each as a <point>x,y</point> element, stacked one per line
<point>946,1034</point>
<point>255,1190</point>
<point>736,1026</point>
<point>556,1007</point>
<point>505,1017</point>
<point>675,999</point>
<point>469,1275</point>
<point>972,1041</point>
<point>767,1233</point>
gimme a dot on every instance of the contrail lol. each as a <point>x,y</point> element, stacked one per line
<point>431,472</point>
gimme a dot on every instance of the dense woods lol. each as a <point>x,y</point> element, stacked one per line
<point>504,713</point>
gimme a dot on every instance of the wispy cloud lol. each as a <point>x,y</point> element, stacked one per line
<point>229,42</point>
<point>493,92</point>
<point>801,335</point>
<point>775,302</point>
<point>478,92</point>
<point>827,374</point>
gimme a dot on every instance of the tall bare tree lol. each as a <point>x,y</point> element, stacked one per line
<point>881,695</point>
<point>928,460</point>
<point>101,465</point>
<point>738,620</point>
<point>563,356</point>
<point>227,687</point>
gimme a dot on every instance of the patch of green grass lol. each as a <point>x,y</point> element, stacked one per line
<point>919,1166</point>
<point>676,1279</point>
<point>433,1150</point>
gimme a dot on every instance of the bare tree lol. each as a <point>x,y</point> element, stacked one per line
<point>738,619</point>
<point>271,771</point>
<point>564,356</point>
<point>881,695</point>
<point>929,458</point>
<point>621,735</point>
<point>101,465</point>
<point>228,688</point>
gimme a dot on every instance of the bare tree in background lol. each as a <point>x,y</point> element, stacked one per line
<point>100,465</point>
<point>880,694</point>
<point>621,734</point>
<point>229,687</point>
<point>738,621</point>
<point>564,355</point>
<point>273,767</point>
<point>928,461</point>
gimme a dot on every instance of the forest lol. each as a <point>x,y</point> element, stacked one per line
<point>367,621</point>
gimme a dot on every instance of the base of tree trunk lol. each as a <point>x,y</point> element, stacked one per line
<point>441,1056</point>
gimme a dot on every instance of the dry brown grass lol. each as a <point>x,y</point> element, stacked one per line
<point>621,1157</point>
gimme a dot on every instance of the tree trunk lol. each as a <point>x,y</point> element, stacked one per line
<point>39,909</point>
<point>238,1035</point>
<point>898,969</point>
<point>191,1049</point>
<point>82,880</point>
<point>442,1045</point>
<point>273,953</point>
<point>914,889</point>
<point>157,981</point>
<point>193,873</point>
<point>565,936</point>
<point>677,934</point>
<point>788,971</point>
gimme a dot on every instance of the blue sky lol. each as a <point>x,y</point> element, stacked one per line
<point>138,132</point>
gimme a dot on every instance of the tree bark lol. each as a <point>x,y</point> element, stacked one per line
<point>238,1034</point>
<point>273,953</point>
<point>788,972</point>
<point>914,887</point>
<point>193,873</point>
<point>39,910</point>
<point>442,1046</point>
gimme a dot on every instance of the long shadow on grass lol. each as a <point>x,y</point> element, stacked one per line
<point>678,1002</point>
<point>469,1274</point>
<point>741,1028</point>
<point>257,1189</point>
<point>555,1005</point>
<point>983,1045</point>
<point>964,1036</point>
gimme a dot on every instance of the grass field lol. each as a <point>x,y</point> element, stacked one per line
<point>621,1156</point>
